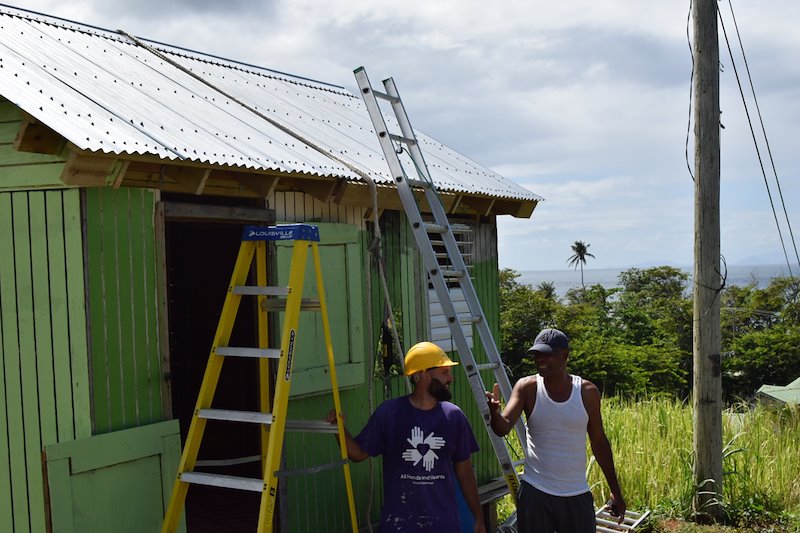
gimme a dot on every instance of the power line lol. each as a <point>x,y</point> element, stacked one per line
<point>758,151</point>
<point>764,132</point>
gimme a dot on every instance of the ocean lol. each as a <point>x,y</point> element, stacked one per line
<point>567,278</point>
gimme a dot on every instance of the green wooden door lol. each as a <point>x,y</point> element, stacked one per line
<point>118,481</point>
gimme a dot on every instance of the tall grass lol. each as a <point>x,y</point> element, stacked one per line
<point>652,443</point>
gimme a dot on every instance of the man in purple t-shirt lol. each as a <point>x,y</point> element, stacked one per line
<point>426,443</point>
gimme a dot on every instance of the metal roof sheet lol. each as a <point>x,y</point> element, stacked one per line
<point>786,394</point>
<point>104,92</point>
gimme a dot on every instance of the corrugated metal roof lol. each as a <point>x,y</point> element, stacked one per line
<point>105,93</point>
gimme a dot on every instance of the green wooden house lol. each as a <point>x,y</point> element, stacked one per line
<point>127,169</point>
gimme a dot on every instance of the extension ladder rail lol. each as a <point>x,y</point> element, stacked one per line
<point>271,418</point>
<point>439,277</point>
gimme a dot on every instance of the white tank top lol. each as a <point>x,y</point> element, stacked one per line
<point>555,459</point>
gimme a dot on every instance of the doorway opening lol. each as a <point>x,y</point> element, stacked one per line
<point>200,256</point>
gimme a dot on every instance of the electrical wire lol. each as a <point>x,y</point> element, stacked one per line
<point>691,87</point>
<point>766,139</point>
<point>755,143</point>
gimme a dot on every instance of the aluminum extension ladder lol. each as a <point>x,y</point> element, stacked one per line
<point>441,270</point>
<point>272,419</point>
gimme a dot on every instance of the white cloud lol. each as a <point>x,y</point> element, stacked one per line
<point>583,102</point>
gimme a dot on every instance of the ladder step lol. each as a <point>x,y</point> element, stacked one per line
<point>311,426</point>
<point>440,321</point>
<point>254,417</point>
<point>228,462</point>
<point>421,184</point>
<point>488,366</point>
<point>401,139</point>
<point>268,353</point>
<point>306,304</point>
<point>435,228</point>
<point>227,482</point>
<point>453,273</point>
<point>387,97</point>
<point>253,290</point>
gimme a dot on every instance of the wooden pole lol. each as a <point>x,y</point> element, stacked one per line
<point>707,384</point>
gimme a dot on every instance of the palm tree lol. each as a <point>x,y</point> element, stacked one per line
<point>581,250</point>
<point>547,289</point>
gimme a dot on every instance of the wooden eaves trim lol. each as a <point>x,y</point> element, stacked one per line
<point>96,169</point>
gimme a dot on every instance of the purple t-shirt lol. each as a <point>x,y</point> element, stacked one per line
<point>419,449</point>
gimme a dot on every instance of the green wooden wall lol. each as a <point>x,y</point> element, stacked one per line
<point>122,292</point>
<point>44,377</point>
<point>402,265</point>
<point>21,170</point>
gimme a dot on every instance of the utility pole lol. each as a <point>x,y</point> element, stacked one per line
<point>706,345</point>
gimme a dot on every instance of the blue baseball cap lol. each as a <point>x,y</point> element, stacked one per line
<point>548,340</point>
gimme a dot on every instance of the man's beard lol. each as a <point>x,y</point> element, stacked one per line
<point>439,391</point>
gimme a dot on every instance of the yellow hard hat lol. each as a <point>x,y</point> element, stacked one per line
<point>425,355</point>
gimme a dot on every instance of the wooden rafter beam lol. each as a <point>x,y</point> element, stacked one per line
<point>191,179</point>
<point>322,190</point>
<point>263,186</point>
<point>84,170</point>
<point>121,174</point>
<point>34,136</point>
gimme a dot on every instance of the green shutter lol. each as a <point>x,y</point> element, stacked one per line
<point>342,273</point>
<point>126,372</point>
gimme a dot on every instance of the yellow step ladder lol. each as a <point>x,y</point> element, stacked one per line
<point>271,418</point>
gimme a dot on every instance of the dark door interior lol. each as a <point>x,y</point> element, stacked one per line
<point>200,259</point>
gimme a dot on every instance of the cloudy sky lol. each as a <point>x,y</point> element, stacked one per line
<point>585,103</point>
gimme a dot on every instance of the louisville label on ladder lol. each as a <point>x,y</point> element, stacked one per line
<point>272,417</point>
<point>442,271</point>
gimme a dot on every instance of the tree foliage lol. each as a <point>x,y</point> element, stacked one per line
<point>523,313</point>
<point>637,338</point>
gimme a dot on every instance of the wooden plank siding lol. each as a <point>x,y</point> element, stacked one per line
<point>45,382</point>
<point>402,268</point>
<point>301,207</point>
<point>22,170</point>
<point>121,261</point>
<point>486,279</point>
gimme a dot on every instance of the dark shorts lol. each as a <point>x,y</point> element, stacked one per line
<point>539,512</point>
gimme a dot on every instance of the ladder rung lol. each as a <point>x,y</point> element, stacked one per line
<point>253,290</point>
<point>311,426</point>
<point>452,273</point>
<point>268,353</point>
<point>228,462</point>
<point>227,482</point>
<point>387,97</point>
<point>254,417</point>
<point>519,462</point>
<point>401,139</point>
<point>306,304</point>
<point>488,366</point>
<point>435,228</point>
<point>613,523</point>
<point>422,184</point>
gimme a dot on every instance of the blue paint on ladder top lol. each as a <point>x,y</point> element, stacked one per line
<point>283,232</point>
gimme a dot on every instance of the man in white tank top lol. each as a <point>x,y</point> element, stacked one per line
<point>560,410</point>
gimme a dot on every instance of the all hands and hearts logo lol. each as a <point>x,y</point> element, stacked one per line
<point>423,448</point>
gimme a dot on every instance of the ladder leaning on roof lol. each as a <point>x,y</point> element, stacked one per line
<point>272,419</point>
<point>441,268</point>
